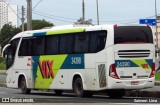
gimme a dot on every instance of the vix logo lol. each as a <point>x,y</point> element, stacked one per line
<point>46,68</point>
<point>145,66</point>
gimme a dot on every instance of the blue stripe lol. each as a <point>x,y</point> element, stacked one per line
<point>40,34</point>
<point>35,60</point>
<point>150,62</point>
<point>74,61</point>
<point>125,63</point>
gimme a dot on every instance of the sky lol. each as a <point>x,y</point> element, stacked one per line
<point>64,12</point>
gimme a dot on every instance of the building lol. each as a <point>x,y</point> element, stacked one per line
<point>6,13</point>
<point>158,31</point>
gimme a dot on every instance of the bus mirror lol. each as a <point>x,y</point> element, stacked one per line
<point>4,51</point>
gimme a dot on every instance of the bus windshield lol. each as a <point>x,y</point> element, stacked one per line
<point>132,34</point>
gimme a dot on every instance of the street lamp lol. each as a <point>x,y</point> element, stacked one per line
<point>156,25</point>
<point>83,10</point>
<point>97,12</point>
<point>29,14</point>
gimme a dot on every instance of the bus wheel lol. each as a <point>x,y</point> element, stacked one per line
<point>78,89</point>
<point>24,88</point>
<point>116,93</point>
<point>58,92</point>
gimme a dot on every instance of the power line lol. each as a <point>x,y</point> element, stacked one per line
<point>37,4</point>
<point>52,18</point>
<point>138,19</point>
<point>44,15</point>
<point>56,16</point>
<point>126,21</point>
<point>11,9</point>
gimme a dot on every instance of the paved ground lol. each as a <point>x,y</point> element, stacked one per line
<point>50,97</point>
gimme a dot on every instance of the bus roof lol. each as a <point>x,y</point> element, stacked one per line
<point>63,29</point>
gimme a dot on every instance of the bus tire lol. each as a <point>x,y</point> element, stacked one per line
<point>58,92</point>
<point>78,89</point>
<point>116,93</point>
<point>24,88</point>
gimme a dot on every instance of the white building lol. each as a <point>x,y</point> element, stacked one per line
<point>158,31</point>
<point>6,13</point>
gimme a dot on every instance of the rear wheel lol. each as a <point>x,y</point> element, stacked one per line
<point>24,88</point>
<point>78,89</point>
<point>58,92</point>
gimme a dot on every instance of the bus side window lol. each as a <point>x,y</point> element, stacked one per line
<point>93,42</point>
<point>101,41</point>
<point>37,46</point>
<point>66,44</point>
<point>70,44</point>
<point>23,50</point>
<point>51,45</point>
<point>11,52</point>
<point>10,57</point>
<point>63,44</point>
<point>81,43</point>
<point>97,41</point>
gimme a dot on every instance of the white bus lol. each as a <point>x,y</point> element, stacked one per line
<point>86,59</point>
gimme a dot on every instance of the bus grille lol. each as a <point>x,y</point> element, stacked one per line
<point>133,53</point>
<point>102,75</point>
<point>132,77</point>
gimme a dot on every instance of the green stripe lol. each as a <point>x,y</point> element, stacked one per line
<point>65,31</point>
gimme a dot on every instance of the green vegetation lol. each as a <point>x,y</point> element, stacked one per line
<point>2,64</point>
<point>86,22</point>
<point>157,76</point>
<point>38,24</point>
<point>8,31</point>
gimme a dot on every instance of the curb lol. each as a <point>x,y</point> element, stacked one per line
<point>157,83</point>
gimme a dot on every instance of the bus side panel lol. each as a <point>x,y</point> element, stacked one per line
<point>109,51</point>
<point>60,80</point>
<point>110,60</point>
<point>22,66</point>
<point>90,71</point>
<point>25,69</point>
<point>9,77</point>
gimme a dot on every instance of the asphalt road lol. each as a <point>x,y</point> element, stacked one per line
<point>50,97</point>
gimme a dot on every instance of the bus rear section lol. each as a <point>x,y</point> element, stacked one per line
<point>133,66</point>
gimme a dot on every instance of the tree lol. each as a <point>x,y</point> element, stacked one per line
<point>38,24</point>
<point>80,21</point>
<point>7,32</point>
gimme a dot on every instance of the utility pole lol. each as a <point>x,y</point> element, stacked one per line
<point>29,14</point>
<point>23,13</point>
<point>156,26</point>
<point>83,10</point>
<point>97,12</point>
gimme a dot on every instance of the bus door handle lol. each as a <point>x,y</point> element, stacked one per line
<point>16,72</point>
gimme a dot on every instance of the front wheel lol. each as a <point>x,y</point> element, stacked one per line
<point>78,89</point>
<point>24,88</point>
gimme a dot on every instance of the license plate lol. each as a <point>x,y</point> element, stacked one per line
<point>135,83</point>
